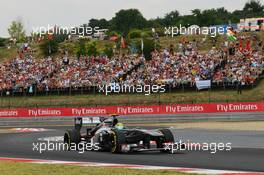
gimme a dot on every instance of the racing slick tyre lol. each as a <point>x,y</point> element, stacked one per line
<point>168,138</point>
<point>117,139</point>
<point>72,136</point>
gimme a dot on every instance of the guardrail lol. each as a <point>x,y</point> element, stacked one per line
<point>94,90</point>
<point>134,110</point>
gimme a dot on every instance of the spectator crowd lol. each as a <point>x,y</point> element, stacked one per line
<point>26,73</point>
<point>176,68</point>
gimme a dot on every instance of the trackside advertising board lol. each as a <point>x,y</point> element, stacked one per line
<point>134,110</point>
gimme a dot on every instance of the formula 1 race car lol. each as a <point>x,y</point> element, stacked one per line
<point>110,135</point>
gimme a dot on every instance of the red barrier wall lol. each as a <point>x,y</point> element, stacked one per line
<point>130,110</point>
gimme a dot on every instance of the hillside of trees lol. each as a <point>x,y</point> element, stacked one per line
<point>133,26</point>
<point>125,20</point>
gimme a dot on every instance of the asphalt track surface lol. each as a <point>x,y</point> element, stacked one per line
<point>246,154</point>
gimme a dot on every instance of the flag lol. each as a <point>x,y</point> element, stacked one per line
<point>231,35</point>
<point>113,38</point>
<point>248,46</point>
<point>123,44</point>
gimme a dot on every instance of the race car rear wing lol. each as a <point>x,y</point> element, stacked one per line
<point>91,120</point>
<point>79,121</point>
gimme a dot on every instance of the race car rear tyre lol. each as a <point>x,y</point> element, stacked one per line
<point>118,138</point>
<point>168,138</point>
<point>72,136</point>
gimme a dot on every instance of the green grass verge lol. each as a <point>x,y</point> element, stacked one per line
<point>251,95</point>
<point>7,54</point>
<point>8,168</point>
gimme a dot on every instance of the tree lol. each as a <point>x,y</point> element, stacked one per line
<point>2,42</point>
<point>49,47</point>
<point>16,31</point>
<point>171,18</point>
<point>60,37</point>
<point>81,50</point>
<point>237,15</point>
<point>92,49</point>
<point>101,23</point>
<point>108,50</point>
<point>125,20</point>
<point>136,33</point>
<point>155,23</point>
<point>223,15</point>
<point>149,46</point>
<point>253,8</point>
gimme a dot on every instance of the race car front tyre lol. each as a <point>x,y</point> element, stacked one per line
<point>168,136</point>
<point>72,136</point>
<point>118,138</point>
<point>168,139</point>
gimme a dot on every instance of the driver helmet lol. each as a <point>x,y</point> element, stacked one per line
<point>119,126</point>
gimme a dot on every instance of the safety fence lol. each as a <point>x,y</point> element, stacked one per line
<point>134,110</point>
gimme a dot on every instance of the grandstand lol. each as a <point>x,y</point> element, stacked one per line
<point>26,75</point>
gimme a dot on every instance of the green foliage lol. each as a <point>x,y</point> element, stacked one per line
<point>135,33</point>
<point>108,50</point>
<point>60,37</point>
<point>49,47</point>
<point>2,42</point>
<point>211,16</point>
<point>154,23</point>
<point>146,33</point>
<point>92,49</point>
<point>254,8</point>
<point>160,32</point>
<point>85,47</point>
<point>112,33</point>
<point>171,18</point>
<point>149,46</point>
<point>138,34</point>
<point>125,20</point>
<point>71,47</point>
<point>131,19</point>
<point>81,50</point>
<point>101,23</point>
<point>16,31</point>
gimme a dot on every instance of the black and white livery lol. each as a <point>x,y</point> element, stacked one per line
<point>110,135</point>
